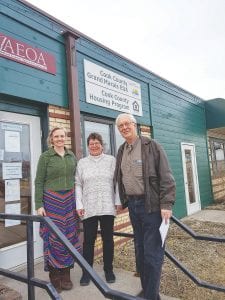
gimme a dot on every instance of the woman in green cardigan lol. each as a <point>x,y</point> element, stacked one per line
<point>54,197</point>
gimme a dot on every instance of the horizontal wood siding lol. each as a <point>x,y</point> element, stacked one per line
<point>177,119</point>
<point>175,115</point>
<point>10,104</point>
<point>96,54</point>
<point>32,28</point>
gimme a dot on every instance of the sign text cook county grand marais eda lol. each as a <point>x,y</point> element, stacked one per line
<point>111,90</point>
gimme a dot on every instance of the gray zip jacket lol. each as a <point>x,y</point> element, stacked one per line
<point>159,183</point>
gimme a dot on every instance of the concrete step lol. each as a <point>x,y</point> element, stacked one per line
<point>125,282</point>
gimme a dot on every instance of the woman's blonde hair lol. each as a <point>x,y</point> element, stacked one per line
<point>49,140</point>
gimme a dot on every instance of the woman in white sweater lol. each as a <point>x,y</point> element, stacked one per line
<point>96,203</point>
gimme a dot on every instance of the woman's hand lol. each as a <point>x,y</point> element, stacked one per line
<point>118,208</point>
<point>80,212</point>
<point>41,212</point>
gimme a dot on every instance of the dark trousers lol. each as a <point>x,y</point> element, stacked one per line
<point>149,250</point>
<point>90,227</point>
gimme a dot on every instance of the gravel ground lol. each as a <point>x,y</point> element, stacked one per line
<point>206,260</point>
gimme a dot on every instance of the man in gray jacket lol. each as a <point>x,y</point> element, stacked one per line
<point>147,187</point>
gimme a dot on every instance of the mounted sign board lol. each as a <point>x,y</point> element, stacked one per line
<point>111,90</point>
<point>25,54</point>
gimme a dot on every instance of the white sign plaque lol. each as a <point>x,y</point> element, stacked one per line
<point>11,170</point>
<point>12,190</point>
<point>12,209</point>
<point>111,90</point>
<point>12,141</point>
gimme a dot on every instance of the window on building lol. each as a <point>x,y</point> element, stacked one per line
<point>102,126</point>
<point>112,138</point>
<point>119,139</point>
<point>103,130</point>
<point>217,148</point>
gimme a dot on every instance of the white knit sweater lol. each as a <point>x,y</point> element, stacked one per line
<point>94,186</point>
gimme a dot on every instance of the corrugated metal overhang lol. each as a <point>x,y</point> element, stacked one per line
<point>215,113</point>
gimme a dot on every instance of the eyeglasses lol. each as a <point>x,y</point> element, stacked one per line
<point>125,124</point>
<point>94,144</point>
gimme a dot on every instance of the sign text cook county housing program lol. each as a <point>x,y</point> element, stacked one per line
<point>111,90</point>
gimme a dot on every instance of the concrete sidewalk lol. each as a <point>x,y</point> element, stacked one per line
<point>208,215</point>
<point>126,282</point>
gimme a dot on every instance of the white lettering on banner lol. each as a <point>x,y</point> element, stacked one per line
<point>20,50</point>
<point>29,54</point>
<point>25,54</point>
<point>8,46</point>
<point>41,59</point>
<point>111,90</point>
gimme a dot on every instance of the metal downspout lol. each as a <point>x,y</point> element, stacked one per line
<point>74,101</point>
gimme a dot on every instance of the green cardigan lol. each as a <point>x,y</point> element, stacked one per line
<point>55,173</point>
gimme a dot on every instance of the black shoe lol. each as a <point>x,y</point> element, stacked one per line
<point>85,280</point>
<point>110,276</point>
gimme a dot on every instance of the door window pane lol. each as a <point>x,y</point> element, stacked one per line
<point>217,157</point>
<point>15,178</point>
<point>103,130</point>
<point>190,180</point>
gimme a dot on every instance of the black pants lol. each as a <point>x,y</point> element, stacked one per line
<point>90,226</point>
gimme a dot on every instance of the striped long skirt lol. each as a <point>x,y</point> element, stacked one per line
<point>61,208</point>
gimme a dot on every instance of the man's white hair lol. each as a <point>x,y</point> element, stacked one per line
<point>125,115</point>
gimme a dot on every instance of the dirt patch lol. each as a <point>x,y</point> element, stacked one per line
<point>7,293</point>
<point>217,206</point>
<point>206,260</point>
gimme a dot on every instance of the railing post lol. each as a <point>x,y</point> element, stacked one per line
<point>30,260</point>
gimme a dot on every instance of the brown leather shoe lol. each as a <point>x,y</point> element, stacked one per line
<point>66,283</point>
<point>55,278</point>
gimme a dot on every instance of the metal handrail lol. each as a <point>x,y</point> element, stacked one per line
<point>196,280</point>
<point>32,282</point>
<point>197,236</point>
<point>99,283</point>
<point>188,230</point>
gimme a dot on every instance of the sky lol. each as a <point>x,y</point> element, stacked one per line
<point>182,41</point>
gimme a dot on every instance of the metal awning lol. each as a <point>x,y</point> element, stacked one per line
<point>215,113</point>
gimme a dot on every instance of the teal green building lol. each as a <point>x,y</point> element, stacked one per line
<point>52,75</point>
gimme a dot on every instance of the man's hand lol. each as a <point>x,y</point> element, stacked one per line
<point>166,214</point>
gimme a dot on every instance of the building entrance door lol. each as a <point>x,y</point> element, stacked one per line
<point>20,148</point>
<point>190,178</point>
